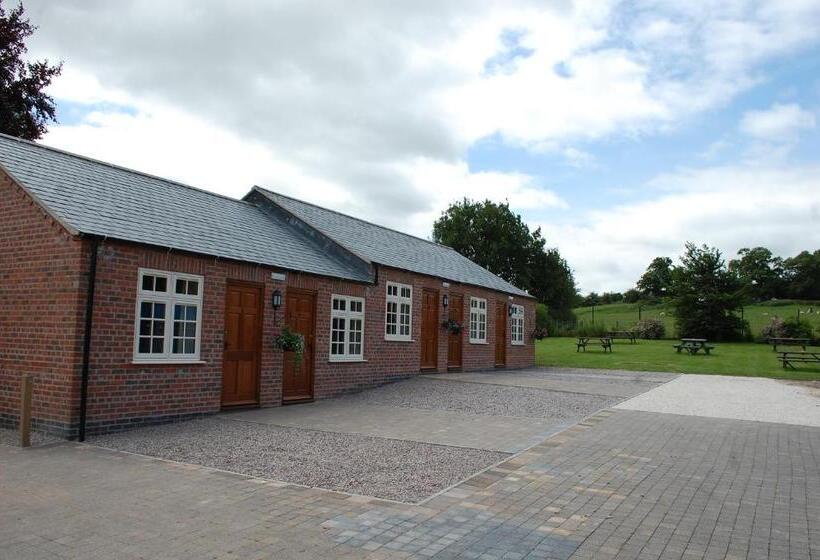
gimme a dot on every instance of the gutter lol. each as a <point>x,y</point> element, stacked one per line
<point>89,311</point>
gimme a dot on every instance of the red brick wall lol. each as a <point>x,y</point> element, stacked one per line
<point>42,289</point>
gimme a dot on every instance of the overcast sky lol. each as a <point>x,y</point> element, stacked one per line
<point>623,129</point>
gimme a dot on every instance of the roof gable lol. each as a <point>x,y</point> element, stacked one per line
<point>389,247</point>
<point>92,197</point>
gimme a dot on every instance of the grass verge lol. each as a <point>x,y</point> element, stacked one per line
<point>743,359</point>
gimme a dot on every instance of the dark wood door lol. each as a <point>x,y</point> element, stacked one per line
<point>455,312</point>
<point>300,317</point>
<point>500,334</point>
<point>429,329</point>
<point>241,359</point>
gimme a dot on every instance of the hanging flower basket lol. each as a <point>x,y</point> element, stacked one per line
<point>289,341</point>
<point>452,326</point>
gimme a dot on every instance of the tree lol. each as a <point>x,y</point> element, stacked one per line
<point>25,109</point>
<point>657,280</point>
<point>760,273</point>
<point>492,236</point>
<point>802,275</point>
<point>706,296</point>
<point>632,296</point>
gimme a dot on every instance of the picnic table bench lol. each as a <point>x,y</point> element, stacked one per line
<point>606,343</point>
<point>789,358</point>
<point>775,341</point>
<point>693,346</point>
<point>627,335</point>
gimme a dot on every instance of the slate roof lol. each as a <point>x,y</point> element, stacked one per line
<point>98,198</point>
<point>389,247</point>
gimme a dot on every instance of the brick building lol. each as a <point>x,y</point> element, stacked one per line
<point>132,299</point>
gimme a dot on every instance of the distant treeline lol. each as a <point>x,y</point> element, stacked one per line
<point>759,275</point>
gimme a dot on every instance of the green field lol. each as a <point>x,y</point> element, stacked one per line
<point>620,316</point>
<point>744,359</point>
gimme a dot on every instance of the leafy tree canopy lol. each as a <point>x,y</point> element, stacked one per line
<point>706,296</point>
<point>25,109</point>
<point>760,272</point>
<point>494,237</point>
<point>802,275</point>
<point>657,280</point>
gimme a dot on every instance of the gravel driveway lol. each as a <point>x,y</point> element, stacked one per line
<point>386,468</point>
<point>485,399</point>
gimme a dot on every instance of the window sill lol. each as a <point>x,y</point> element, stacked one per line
<point>387,339</point>
<point>168,362</point>
<point>479,342</point>
<point>351,361</point>
<point>517,344</point>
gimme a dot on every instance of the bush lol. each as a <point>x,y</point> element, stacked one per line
<point>788,328</point>
<point>592,330</point>
<point>650,329</point>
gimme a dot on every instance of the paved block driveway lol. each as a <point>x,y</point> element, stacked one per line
<point>643,479</point>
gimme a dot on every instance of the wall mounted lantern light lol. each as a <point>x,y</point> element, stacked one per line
<point>277,299</point>
<point>445,301</point>
<point>510,310</point>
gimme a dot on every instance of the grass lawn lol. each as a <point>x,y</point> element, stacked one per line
<point>625,315</point>
<point>746,359</point>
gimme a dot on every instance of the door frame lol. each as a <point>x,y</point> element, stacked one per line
<point>501,309</point>
<point>315,295</point>
<point>460,335</point>
<point>424,293</point>
<point>260,329</point>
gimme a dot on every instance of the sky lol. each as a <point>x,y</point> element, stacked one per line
<point>621,129</point>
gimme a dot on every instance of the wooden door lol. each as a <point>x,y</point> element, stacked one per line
<point>429,329</point>
<point>300,317</point>
<point>242,357</point>
<point>500,334</point>
<point>454,341</point>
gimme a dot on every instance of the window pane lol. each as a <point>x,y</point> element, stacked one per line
<point>180,289</point>
<point>145,328</point>
<point>190,314</point>
<point>145,309</point>
<point>159,328</point>
<point>147,282</point>
<point>190,330</point>
<point>159,311</point>
<point>145,345</point>
<point>161,284</point>
<point>179,328</point>
<point>190,346</point>
<point>177,346</point>
<point>193,287</point>
<point>157,345</point>
<point>179,312</point>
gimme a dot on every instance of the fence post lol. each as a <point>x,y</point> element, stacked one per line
<point>25,411</point>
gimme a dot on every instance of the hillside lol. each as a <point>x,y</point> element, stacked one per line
<point>623,315</point>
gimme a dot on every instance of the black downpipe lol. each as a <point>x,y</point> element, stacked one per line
<point>89,310</point>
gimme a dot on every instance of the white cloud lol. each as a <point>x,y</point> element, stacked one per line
<point>728,207</point>
<point>781,122</point>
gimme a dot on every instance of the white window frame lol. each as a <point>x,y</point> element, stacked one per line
<point>347,315</point>
<point>517,325</point>
<point>478,313</point>
<point>399,300</point>
<point>170,299</point>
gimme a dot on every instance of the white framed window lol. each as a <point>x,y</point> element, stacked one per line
<point>517,325</point>
<point>478,320</point>
<point>346,328</point>
<point>398,315</point>
<point>168,323</point>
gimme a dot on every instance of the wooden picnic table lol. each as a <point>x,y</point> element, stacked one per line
<point>780,341</point>
<point>628,335</point>
<point>789,358</point>
<point>606,343</point>
<point>693,345</point>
